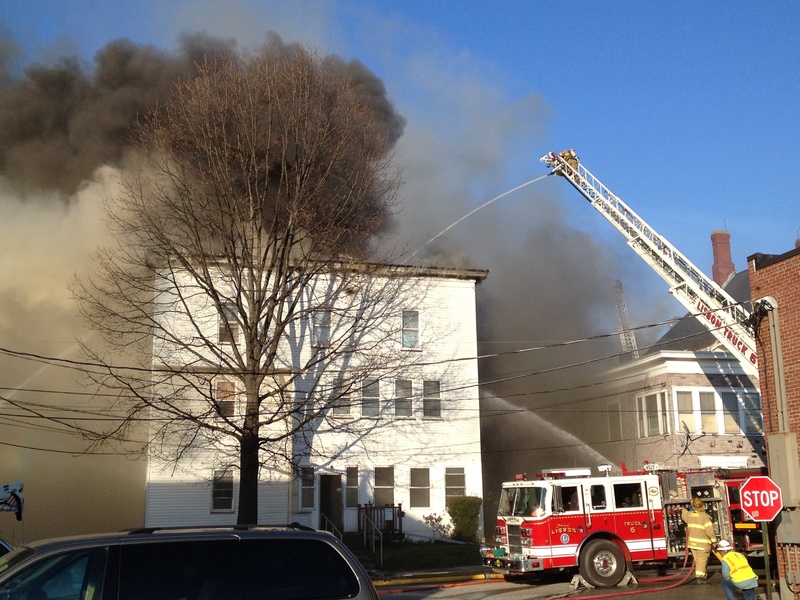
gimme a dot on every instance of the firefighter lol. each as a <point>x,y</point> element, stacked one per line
<point>736,573</point>
<point>700,533</point>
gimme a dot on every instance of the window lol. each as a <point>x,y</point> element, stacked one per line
<point>614,417</point>
<point>431,399</point>
<point>306,487</point>
<point>752,413</point>
<point>730,413</point>
<point>628,495</point>
<point>686,421</point>
<point>652,414</point>
<point>568,498</point>
<point>598,495</point>
<point>341,399</point>
<point>225,397</point>
<point>402,397</point>
<point>321,332</point>
<point>708,412</point>
<point>351,487</point>
<point>384,486</point>
<point>228,326</point>
<point>455,482</point>
<point>370,398</point>
<point>222,491</point>
<point>186,569</point>
<point>420,490</point>
<point>410,332</point>
<point>62,575</point>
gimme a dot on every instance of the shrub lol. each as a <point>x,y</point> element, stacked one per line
<point>464,512</point>
<point>436,522</point>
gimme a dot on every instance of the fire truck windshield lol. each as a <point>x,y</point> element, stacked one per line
<point>523,501</point>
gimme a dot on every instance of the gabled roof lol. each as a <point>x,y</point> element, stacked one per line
<point>689,333</point>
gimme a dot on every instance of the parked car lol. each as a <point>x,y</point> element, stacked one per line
<point>217,563</point>
<point>4,548</point>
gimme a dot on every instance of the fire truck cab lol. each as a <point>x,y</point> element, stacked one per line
<point>602,525</point>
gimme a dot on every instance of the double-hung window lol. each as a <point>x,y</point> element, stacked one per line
<point>410,330</point>
<point>225,397</point>
<point>228,330</point>
<point>652,414</point>
<point>384,486</point>
<point>402,398</point>
<point>420,488</point>
<point>370,398</point>
<point>222,491</point>
<point>431,399</point>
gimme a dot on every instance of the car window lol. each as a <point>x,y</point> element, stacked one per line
<point>76,575</point>
<point>187,570</point>
<point>295,569</point>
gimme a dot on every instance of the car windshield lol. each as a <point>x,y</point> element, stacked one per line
<point>523,501</point>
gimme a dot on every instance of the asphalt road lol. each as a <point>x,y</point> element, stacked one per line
<point>650,584</point>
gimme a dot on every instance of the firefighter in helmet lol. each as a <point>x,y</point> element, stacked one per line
<point>700,536</point>
<point>736,573</point>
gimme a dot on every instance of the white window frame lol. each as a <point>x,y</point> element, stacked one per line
<point>652,420</point>
<point>455,482</point>
<point>225,400</point>
<point>371,405</point>
<point>748,419</point>
<point>419,487</point>
<point>383,485</point>
<point>321,327</point>
<point>222,491</point>
<point>410,330</point>
<point>351,483</point>
<point>403,398</point>
<point>307,480</point>
<point>432,399</point>
<point>229,316</point>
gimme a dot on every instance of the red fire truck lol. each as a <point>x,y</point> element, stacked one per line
<point>602,525</point>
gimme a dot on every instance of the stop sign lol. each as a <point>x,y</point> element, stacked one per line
<point>761,498</point>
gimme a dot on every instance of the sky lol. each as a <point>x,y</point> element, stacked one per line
<point>685,110</point>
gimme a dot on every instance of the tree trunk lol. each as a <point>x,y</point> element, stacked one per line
<point>248,484</point>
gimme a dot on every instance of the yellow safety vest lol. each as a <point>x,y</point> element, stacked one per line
<point>740,568</point>
<point>700,529</point>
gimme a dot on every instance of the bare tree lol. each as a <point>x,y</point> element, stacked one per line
<point>244,276</point>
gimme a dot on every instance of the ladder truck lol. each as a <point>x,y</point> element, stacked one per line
<point>723,316</point>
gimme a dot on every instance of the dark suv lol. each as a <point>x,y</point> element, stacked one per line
<point>218,563</point>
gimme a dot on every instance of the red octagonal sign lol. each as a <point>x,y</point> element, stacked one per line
<point>761,498</point>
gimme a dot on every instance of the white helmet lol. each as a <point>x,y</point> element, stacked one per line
<point>724,545</point>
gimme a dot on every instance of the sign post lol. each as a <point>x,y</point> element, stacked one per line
<point>761,500</point>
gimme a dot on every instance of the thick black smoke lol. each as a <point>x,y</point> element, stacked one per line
<point>58,123</point>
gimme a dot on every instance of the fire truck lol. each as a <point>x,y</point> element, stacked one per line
<point>602,525</point>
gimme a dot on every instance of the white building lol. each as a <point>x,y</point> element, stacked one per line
<point>408,435</point>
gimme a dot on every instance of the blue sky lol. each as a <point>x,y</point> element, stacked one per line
<point>685,110</point>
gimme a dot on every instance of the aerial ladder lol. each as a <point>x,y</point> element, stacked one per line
<point>724,317</point>
<point>626,336</point>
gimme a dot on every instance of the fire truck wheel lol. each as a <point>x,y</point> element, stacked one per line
<point>602,563</point>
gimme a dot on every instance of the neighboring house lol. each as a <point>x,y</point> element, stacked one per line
<point>409,438</point>
<point>685,402</point>
<point>778,277</point>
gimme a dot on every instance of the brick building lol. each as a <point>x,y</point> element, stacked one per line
<point>778,277</point>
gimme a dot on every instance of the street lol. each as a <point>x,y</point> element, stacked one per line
<point>670,587</point>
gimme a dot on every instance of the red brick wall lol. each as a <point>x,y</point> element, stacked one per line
<point>779,277</point>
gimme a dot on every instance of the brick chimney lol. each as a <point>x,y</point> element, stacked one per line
<point>723,268</point>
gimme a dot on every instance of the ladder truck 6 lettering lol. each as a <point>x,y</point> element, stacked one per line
<point>725,318</point>
<point>568,519</point>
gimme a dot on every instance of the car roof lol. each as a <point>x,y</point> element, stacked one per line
<point>164,534</point>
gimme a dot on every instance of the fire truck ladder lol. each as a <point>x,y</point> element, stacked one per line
<point>716,309</point>
<point>627,338</point>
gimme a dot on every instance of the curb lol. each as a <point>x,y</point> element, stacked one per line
<point>422,579</point>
